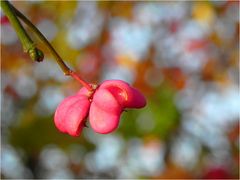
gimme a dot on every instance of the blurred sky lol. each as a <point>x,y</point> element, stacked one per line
<point>184,57</point>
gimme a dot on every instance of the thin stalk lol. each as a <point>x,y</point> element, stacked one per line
<point>64,67</point>
<point>85,84</point>
<point>27,43</point>
<point>12,13</point>
<point>33,28</point>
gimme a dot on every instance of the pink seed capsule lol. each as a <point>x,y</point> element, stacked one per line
<point>104,104</point>
<point>83,91</point>
<point>104,112</point>
<point>71,114</point>
<point>126,95</point>
<point>109,101</point>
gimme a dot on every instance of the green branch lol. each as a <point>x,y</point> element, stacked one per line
<point>27,43</point>
<point>33,28</point>
<point>12,13</point>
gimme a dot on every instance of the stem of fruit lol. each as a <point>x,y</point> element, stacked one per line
<point>12,13</point>
<point>27,43</point>
<point>33,28</point>
<point>84,83</point>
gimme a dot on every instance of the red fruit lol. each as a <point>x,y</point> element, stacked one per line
<point>104,112</point>
<point>83,91</point>
<point>71,114</point>
<point>126,95</point>
<point>107,103</point>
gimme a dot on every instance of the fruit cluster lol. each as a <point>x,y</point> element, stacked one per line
<point>103,105</point>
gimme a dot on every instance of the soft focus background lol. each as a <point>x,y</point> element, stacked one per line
<point>184,56</point>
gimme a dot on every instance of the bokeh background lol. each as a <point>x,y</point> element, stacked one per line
<point>184,57</point>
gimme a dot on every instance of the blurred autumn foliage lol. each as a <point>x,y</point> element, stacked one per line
<point>184,56</point>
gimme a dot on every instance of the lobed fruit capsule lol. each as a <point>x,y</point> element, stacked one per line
<point>104,106</point>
